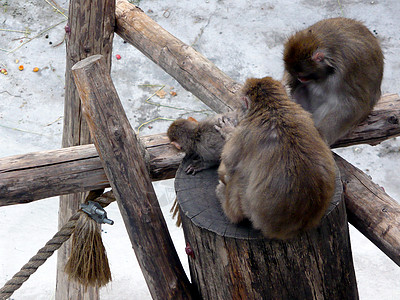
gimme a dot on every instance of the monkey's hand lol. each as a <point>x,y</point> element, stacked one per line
<point>198,165</point>
<point>225,126</point>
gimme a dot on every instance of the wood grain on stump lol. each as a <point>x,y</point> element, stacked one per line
<point>236,262</point>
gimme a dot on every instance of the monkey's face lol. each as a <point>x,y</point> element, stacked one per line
<point>305,59</point>
<point>181,133</point>
<point>314,68</point>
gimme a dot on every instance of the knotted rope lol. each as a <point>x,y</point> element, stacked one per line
<point>88,262</point>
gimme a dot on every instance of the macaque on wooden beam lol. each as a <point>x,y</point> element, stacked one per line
<point>334,69</point>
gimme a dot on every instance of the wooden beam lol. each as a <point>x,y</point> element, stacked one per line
<point>369,209</point>
<point>126,170</point>
<point>381,124</point>
<point>38,175</point>
<point>191,69</point>
<point>90,31</point>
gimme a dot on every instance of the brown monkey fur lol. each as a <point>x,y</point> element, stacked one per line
<point>201,140</point>
<point>275,168</point>
<point>334,70</point>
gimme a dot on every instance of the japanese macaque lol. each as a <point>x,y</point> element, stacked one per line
<point>201,140</point>
<point>275,168</point>
<point>334,69</point>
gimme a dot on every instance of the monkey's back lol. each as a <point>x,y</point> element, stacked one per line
<point>280,170</point>
<point>358,55</point>
<point>209,141</point>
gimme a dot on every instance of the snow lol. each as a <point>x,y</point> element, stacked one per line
<point>243,38</point>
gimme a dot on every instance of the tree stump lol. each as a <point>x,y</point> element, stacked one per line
<point>236,262</point>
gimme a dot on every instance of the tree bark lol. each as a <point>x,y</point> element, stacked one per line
<point>191,69</point>
<point>90,30</point>
<point>373,212</point>
<point>230,261</point>
<point>126,170</point>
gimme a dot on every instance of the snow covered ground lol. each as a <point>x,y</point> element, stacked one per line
<point>243,38</point>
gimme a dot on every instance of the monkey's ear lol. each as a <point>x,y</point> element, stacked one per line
<point>246,102</point>
<point>177,145</point>
<point>318,56</point>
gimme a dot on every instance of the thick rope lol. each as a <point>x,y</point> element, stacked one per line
<point>51,246</point>
<point>36,261</point>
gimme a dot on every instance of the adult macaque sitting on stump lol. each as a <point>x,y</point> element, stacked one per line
<point>275,168</point>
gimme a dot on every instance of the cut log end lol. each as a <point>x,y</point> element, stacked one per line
<point>205,211</point>
<point>86,62</point>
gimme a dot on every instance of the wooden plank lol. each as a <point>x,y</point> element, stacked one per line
<point>373,212</point>
<point>90,31</point>
<point>126,170</point>
<point>191,69</point>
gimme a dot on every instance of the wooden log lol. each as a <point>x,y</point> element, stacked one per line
<point>191,69</point>
<point>38,175</point>
<point>373,212</point>
<point>382,123</point>
<point>34,176</point>
<point>236,262</point>
<point>163,159</point>
<point>126,170</point>
<point>90,31</point>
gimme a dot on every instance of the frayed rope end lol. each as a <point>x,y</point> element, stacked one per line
<point>88,263</point>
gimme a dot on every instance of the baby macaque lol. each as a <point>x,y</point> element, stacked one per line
<point>334,69</point>
<point>275,168</point>
<point>201,140</point>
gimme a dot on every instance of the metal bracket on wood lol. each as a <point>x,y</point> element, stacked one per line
<point>96,212</point>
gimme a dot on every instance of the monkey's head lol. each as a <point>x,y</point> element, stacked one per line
<point>257,91</point>
<point>181,133</point>
<point>306,58</point>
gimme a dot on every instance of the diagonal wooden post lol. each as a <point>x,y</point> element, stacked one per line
<point>373,212</point>
<point>189,67</point>
<point>90,30</point>
<point>127,173</point>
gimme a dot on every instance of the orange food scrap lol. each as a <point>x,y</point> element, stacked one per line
<point>21,67</point>
<point>173,93</point>
<point>36,69</point>
<point>161,94</point>
<point>192,120</point>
